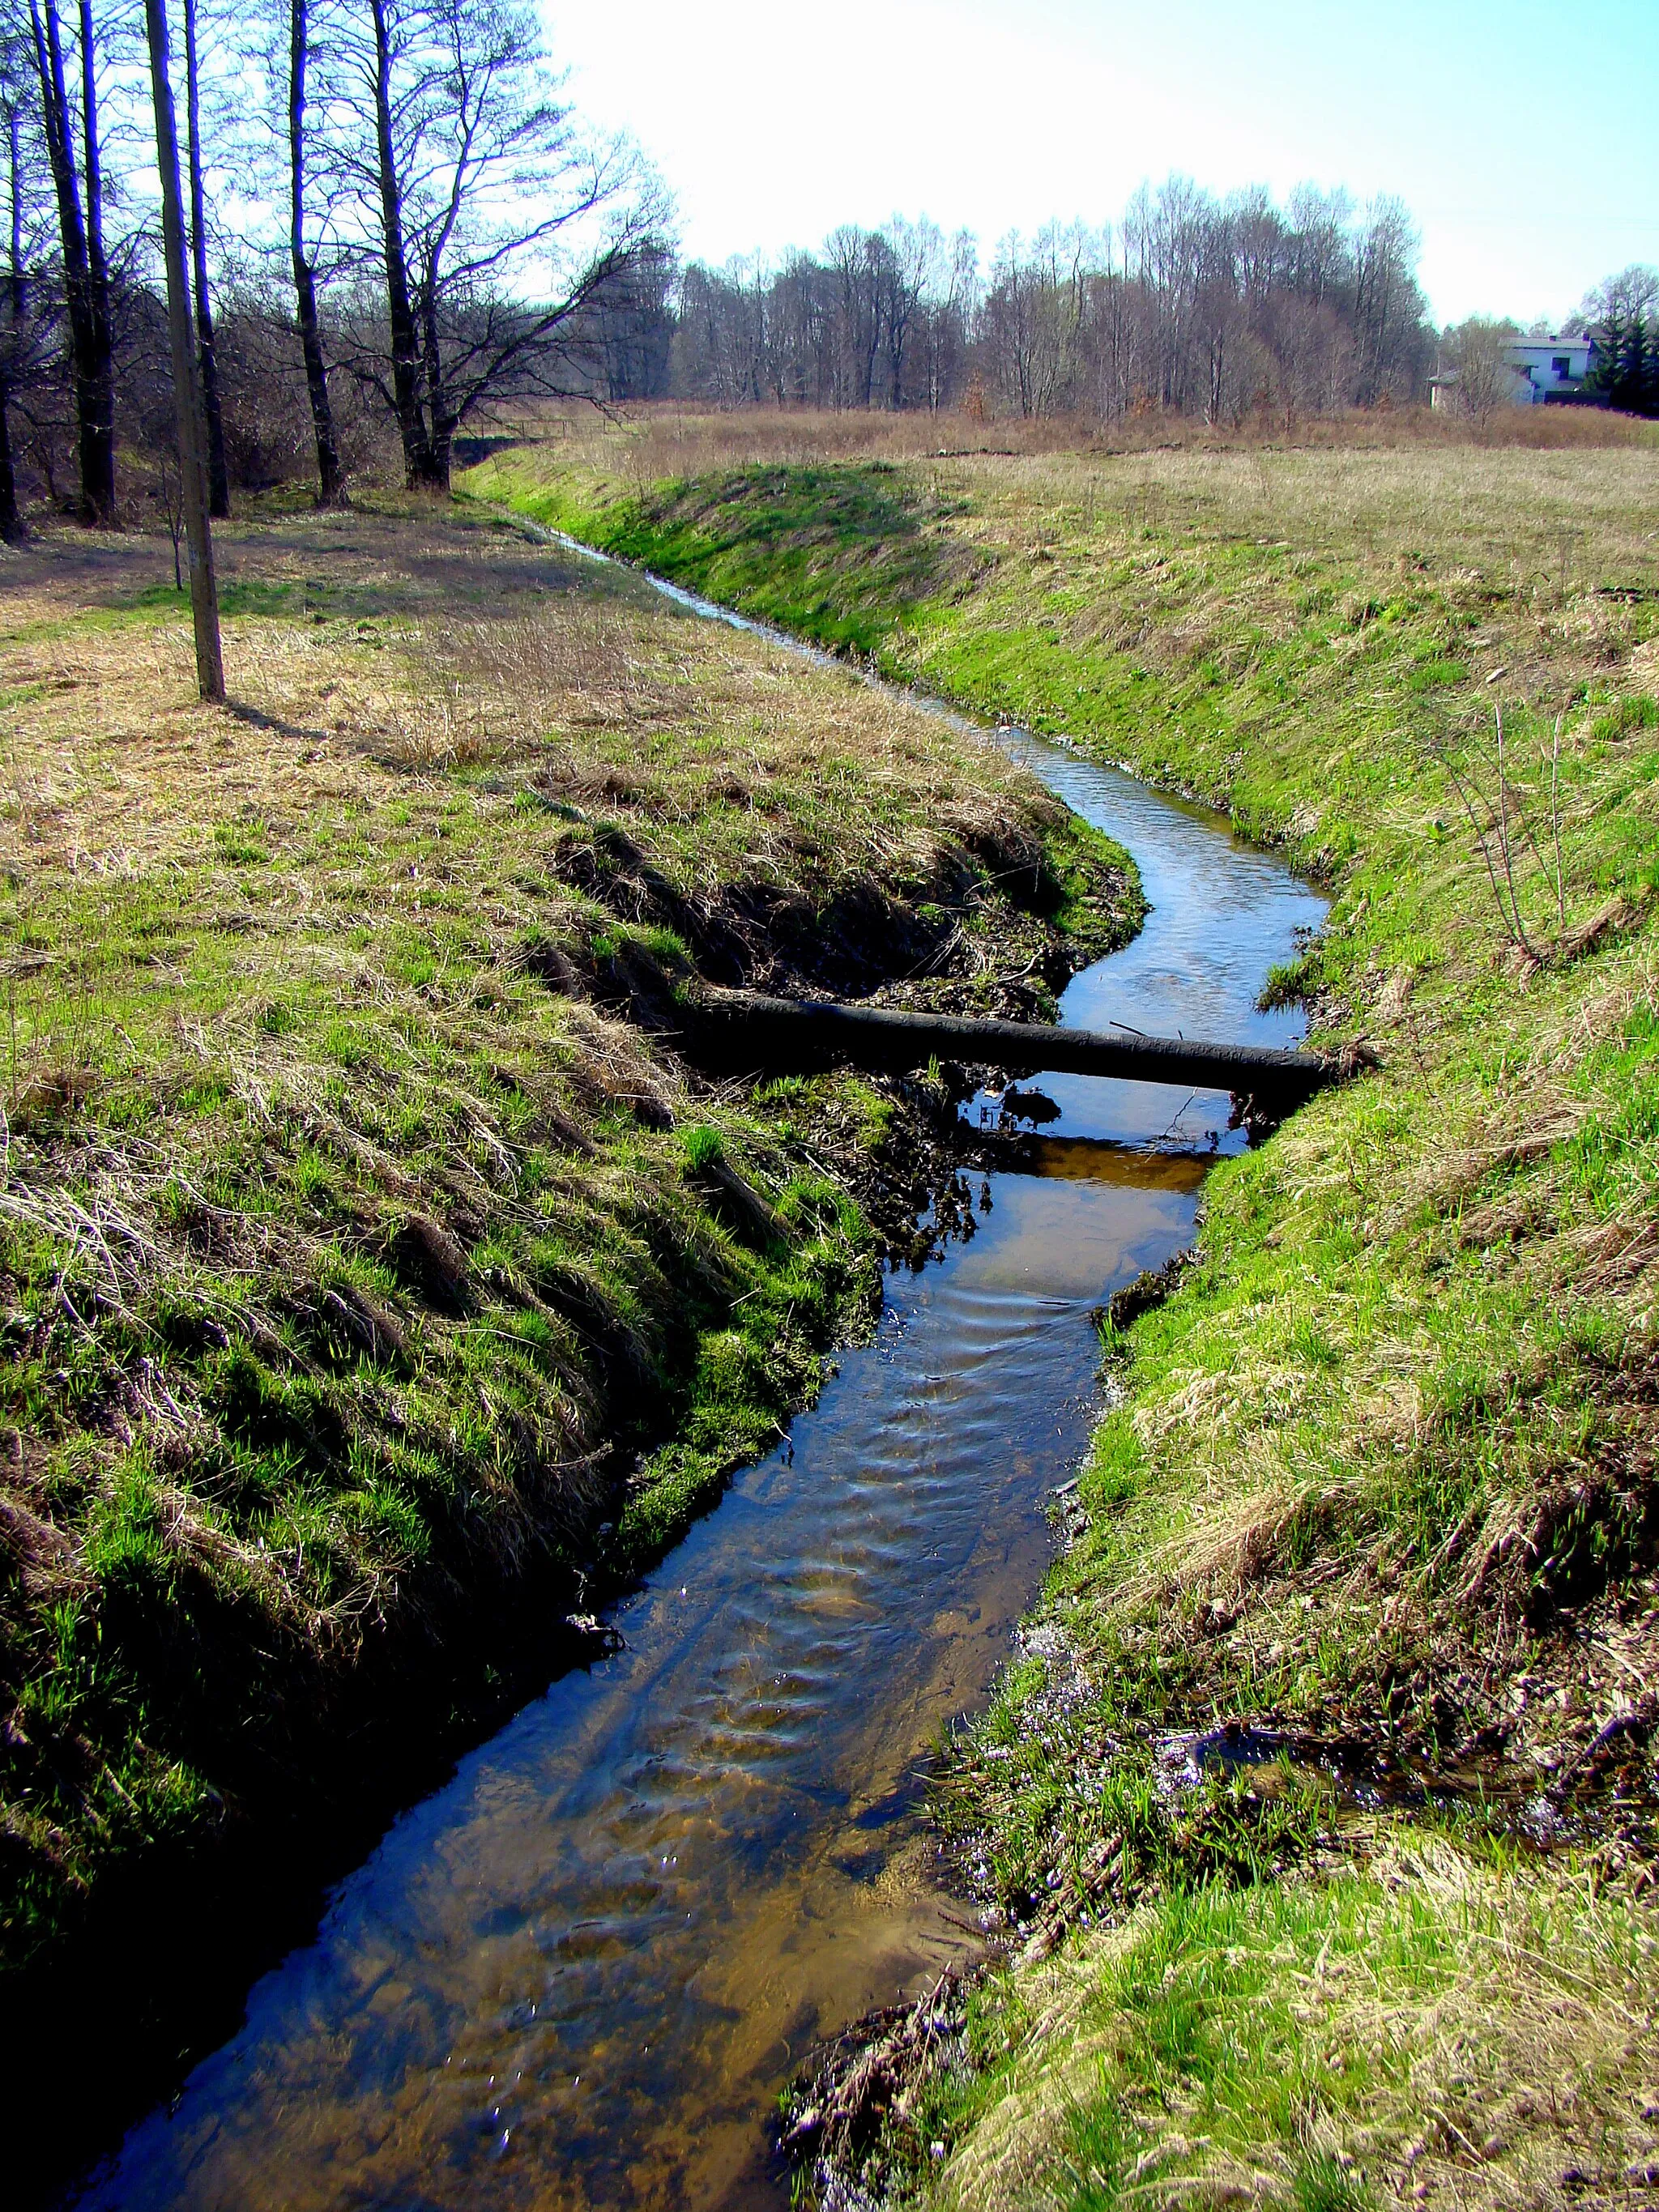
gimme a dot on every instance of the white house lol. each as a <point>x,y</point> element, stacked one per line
<point>1552,368</point>
<point>1542,369</point>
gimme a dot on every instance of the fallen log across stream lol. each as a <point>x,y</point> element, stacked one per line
<point>742,1029</point>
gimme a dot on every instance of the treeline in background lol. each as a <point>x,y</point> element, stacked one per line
<point>396,224</point>
<point>1188,304</point>
<point>1191,305</point>
<point>400,233</point>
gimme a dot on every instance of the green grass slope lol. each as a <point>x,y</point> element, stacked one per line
<point>1381,1477</point>
<point>376,1282</point>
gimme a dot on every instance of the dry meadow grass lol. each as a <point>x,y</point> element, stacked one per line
<point>372,656</point>
<point>646,443</point>
<point>1391,488</point>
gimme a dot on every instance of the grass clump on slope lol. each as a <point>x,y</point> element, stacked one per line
<point>1427,2025</point>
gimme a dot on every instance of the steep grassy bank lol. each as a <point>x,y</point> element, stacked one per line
<point>1382,1481</point>
<point>377,1284</point>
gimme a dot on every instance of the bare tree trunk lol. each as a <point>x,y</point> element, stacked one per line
<point>97,277</point>
<point>86,296</point>
<point>16,283</point>
<point>192,433</point>
<point>330,480</point>
<point>11,523</point>
<point>871,346</point>
<point>218,474</point>
<point>405,336</point>
<point>442,441</point>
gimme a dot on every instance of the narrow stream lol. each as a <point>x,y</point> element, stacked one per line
<point>578,1975</point>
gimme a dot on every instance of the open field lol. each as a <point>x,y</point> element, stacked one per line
<point>672,439</point>
<point>1383,1478</point>
<point>376,1282</point>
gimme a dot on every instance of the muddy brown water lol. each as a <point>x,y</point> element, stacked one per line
<point>578,1975</point>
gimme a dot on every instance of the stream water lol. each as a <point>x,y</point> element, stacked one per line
<point>578,1974</point>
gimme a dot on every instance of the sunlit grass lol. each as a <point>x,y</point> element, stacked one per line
<point>1380,1470</point>
<point>355,1270</point>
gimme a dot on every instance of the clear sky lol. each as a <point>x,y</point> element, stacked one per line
<point>1524,134</point>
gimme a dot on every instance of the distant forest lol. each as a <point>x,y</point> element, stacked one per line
<point>400,233</point>
<point>1190,304</point>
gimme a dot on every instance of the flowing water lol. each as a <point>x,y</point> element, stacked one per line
<point>578,1975</point>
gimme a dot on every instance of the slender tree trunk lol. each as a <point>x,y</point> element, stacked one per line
<point>330,481</point>
<point>871,346</point>
<point>187,398</point>
<point>405,336</point>
<point>97,501</point>
<point>441,441</point>
<point>218,474</point>
<point>16,283</point>
<point>11,523</point>
<point>103,385</point>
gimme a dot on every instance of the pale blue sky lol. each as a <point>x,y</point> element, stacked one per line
<point>1524,137</point>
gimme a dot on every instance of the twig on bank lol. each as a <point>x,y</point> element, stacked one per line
<point>1555,826</point>
<point>1520,937</point>
<point>1509,908</point>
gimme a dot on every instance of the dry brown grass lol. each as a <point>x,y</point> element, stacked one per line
<point>1507,515</point>
<point>674,437</point>
<point>434,645</point>
<point>1561,518</point>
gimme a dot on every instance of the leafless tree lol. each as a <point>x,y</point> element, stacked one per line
<point>475,180</point>
<point>859,259</point>
<point>948,306</point>
<point>1620,299</point>
<point>1477,353</point>
<point>78,184</point>
<point>1386,297</point>
<point>1318,252</point>
<point>218,476</point>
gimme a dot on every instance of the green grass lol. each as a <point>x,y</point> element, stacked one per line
<point>365,1289</point>
<point>1419,2024</point>
<point>827,553</point>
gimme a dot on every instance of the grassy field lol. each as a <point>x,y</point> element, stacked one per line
<point>377,1283</point>
<point>1381,1478</point>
